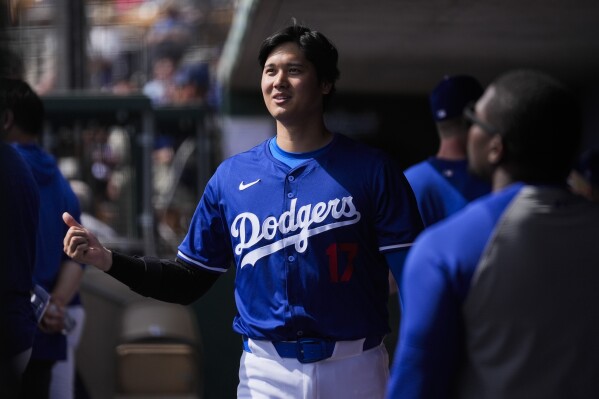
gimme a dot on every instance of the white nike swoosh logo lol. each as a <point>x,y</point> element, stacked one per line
<point>243,186</point>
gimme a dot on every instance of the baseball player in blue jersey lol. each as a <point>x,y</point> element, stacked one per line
<point>311,220</point>
<point>53,271</point>
<point>442,184</point>
<point>500,299</point>
<point>19,210</point>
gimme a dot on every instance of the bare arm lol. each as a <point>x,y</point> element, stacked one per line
<point>68,282</point>
<point>67,285</point>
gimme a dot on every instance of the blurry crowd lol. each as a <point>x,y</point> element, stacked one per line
<point>171,66</point>
<point>176,70</point>
<point>166,49</point>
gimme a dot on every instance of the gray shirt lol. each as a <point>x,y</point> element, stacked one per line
<point>532,315</point>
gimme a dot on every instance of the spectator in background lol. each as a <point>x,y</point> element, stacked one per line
<point>101,229</point>
<point>191,84</point>
<point>172,200</point>
<point>56,273</point>
<point>119,185</point>
<point>12,67</point>
<point>501,299</point>
<point>88,202</point>
<point>584,178</point>
<point>19,217</point>
<point>123,85</point>
<point>170,33</point>
<point>160,88</point>
<point>442,183</point>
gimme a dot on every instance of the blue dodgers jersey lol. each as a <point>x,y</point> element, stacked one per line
<point>443,187</point>
<point>307,242</point>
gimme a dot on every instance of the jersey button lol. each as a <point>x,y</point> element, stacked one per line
<point>291,178</point>
<point>289,195</point>
<point>291,258</point>
<point>300,333</point>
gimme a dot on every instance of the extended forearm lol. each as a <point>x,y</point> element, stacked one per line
<point>165,280</point>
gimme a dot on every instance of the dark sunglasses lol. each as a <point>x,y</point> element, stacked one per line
<point>471,119</point>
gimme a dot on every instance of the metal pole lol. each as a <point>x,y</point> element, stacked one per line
<point>147,214</point>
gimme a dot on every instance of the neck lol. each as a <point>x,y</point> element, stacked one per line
<point>452,148</point>
<point>22,139</point>
<point>501,179</point>
<point>16,135</point>
<point>303,138</point>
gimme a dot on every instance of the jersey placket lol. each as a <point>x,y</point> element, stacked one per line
<point>291,255</point>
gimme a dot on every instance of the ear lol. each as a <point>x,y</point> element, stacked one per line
<point>6,120</point>
<point>496,150</point>
<point>325,87</point>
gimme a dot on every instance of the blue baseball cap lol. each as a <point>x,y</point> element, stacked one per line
<point>449,98</point>
<point>196,74</point>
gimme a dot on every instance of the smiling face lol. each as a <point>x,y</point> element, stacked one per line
<point>290,86</point>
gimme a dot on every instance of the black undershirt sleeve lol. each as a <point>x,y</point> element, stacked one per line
<point>166,280</point>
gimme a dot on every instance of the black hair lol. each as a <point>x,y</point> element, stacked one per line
<point>315,46</point>
<point>539,120</point>
<point>24,103</point>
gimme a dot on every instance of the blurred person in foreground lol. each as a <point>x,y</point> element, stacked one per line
<point>19,216</point>
<point>56,273</point>
<point>311,220</point>
<point>501,298</point>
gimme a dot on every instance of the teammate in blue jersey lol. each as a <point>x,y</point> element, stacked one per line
<point>53,271</point>
<point>442,184</point>
<point>500,299</point>
<point>19,216</point>
<point>310,220</point>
